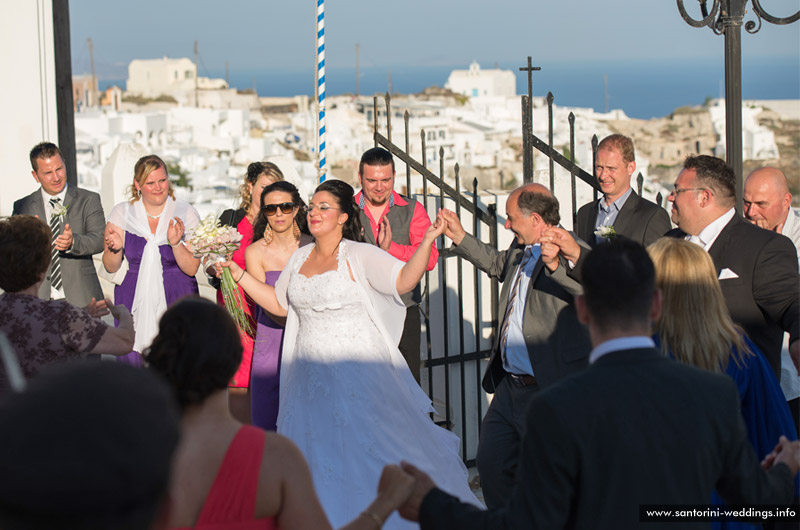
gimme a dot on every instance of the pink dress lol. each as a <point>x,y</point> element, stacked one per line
<point>242,377</point>
<point>231,502</point>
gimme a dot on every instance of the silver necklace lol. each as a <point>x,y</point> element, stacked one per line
<point>153,216</point>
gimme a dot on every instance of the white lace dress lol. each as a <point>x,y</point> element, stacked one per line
<point>347,398</point>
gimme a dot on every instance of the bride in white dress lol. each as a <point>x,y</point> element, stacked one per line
<point>347,397</point>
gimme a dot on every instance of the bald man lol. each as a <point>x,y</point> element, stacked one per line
<point>768,204</point>
<point>539,339</point>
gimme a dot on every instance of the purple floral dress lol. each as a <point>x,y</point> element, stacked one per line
<point>44,332</point>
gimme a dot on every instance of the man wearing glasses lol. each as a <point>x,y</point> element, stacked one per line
<point>757,268</point>
<point>397,224</point>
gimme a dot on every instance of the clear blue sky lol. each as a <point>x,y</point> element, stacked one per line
<point>269,35</point>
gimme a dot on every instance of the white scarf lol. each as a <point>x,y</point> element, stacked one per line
<point>149,301</point>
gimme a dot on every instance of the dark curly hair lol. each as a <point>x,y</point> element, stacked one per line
<point>343,194</point>
<point>197,349</point>
<point>261,221</point>
<point>24,252</point>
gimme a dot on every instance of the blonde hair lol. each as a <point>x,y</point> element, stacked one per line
<point>254,172</point>
<point>144,166</point>
<point>694,326</point>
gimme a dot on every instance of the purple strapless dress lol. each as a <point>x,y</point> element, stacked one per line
<point>177,284</point>
<point>265,374</point>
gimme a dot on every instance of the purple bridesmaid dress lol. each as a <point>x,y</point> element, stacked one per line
<point>177,284</point>
<point>265,374</point>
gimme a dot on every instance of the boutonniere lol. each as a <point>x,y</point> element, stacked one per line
<point>60,210</point>
<point>606,232</point>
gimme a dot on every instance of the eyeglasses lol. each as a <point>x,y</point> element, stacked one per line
<point>321,207</point>
<point>272,209</point>
<point>677,191</point>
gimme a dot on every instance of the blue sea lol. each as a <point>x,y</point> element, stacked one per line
<point>643,89</point>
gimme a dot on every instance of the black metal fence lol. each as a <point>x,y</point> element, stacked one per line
<point>460,307</point>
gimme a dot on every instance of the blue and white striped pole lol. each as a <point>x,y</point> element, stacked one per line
<point>321,86</point>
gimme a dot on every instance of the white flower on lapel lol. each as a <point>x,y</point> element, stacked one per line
<point>60,210</point>
<point>607,232</point>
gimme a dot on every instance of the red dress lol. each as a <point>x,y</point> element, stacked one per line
<point>231,502</point>
<point>242,377</point>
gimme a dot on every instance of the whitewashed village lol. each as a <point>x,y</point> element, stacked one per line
<point>209,132</point>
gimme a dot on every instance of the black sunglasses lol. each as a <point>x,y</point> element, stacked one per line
<point>272,209</point>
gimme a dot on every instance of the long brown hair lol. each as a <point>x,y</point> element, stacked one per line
<point>694,326</point>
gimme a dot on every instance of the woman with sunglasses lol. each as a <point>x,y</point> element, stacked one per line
<point>348,398</point>
<point>259,175</point>
<point>280,229</point>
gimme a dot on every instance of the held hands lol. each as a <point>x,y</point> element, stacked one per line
<point>395,486</point>
<point>422,486</point>
<point>563,240</point>
<point>64,241</point>
<point>453,229</point>
<point>785,452</point>
<point>436,229</point>
<point>175,231</point>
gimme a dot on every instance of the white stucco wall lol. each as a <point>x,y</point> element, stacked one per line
<point>29,113</point>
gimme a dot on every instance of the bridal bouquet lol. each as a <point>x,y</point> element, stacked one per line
<point>216,242</point>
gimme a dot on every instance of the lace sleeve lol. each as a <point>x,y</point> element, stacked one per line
<point>78,330</point>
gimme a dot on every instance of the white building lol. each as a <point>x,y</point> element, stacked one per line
<point>479,83</point>
<point>155,77</point>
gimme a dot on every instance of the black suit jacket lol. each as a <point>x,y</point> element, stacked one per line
<point>638,219</point>
<point>87,221</point>
<point>764,297</point>
<point>558,344</point>
<point>633,428</point>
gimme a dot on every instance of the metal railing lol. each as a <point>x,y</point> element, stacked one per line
<point>450,353</point>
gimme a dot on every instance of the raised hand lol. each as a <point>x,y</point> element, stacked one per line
<point>566,244</point>
<point>175,231</point>
<point>64,241</point>
<point>98,309</point>
<point>113,239</point>
<point>453,229</point>
<point>436,229</point>
<point>384,234</point>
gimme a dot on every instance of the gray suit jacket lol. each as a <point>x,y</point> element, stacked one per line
<point>86,219</point>
<point>557,343</point>
<point>634,428</point>
<point>639,219</point>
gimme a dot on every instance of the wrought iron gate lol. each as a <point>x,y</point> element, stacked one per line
<point>459,304</point>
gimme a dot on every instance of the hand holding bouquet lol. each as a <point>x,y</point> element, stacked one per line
<point>216,242</point>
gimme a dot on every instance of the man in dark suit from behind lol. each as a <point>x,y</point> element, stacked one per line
<point>634,429</point>
<point>757,268</point>
<point>631,216</point>
<point>80,231</point>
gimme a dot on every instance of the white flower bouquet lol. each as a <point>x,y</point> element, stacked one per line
<point>216,242</point>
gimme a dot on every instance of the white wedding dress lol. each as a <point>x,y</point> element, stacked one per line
<point>347,398</point>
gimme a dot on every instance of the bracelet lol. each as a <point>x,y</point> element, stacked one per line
<point>240,277</point>
<point>176,244</point>
<point>374,516</point>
